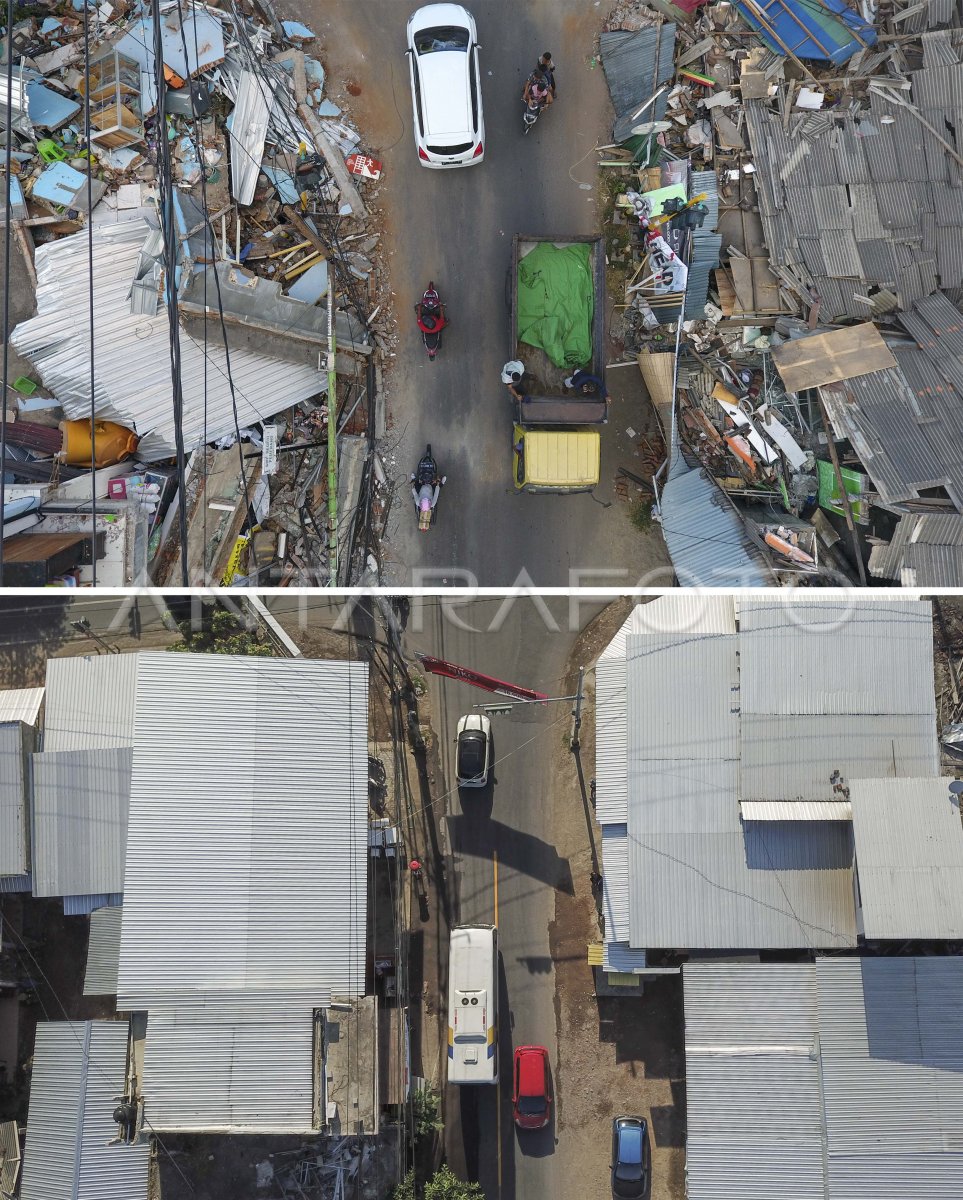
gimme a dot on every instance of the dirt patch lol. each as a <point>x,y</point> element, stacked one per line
<point>613,1052</point>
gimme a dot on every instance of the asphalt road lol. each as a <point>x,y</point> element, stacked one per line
<point>505,865</point>
<point>456,228</point>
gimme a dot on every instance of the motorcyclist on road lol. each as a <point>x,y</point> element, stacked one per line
<point>425,494</point>
<point>431,312</point>
<point>537,90</point>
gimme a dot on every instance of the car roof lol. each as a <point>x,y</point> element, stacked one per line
<point>630,1143</point>
<point>444,88</point>
<point>531,1070</point>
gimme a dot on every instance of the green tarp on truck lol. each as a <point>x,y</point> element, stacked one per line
<point>556,302</point>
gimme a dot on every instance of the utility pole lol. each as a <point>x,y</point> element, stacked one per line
<point>577,711</point>
<point>332,444</point>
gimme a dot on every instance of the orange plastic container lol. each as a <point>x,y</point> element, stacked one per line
<point>114,443</point>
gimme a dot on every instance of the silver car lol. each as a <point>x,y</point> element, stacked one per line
<point>473,758</point>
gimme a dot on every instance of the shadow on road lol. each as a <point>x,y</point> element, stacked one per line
<point>522,852</point>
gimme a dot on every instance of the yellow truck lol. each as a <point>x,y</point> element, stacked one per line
<point>557,327</point>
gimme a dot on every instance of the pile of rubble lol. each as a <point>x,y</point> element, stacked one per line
<point>228,167</point>
<point>785,219</point>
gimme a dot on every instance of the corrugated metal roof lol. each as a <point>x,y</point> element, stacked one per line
<point>683,612</point>
<point>926,550</point>
<point>700,879</point>
<point>249,126</point>
<point>839,1080</point>
<point>133,372</point>
<point>793,758</point>
<point>682,722</point>
<point>707,539</point>
<point>90,702</point>
<point>80,804</point>
<point>21,704</point>
<point>804,656</point>
<point>16,740</point>
<point>79,1070</point>
<point>909,857</point>
<point>239,1062</point>
<point>615,876</point>
<point>84,905</point>
<point>9,1157</point>
<point>611,733</point>
<point>247,837</point>
<point>796,810</point>
<point>103,951</point>
<point>620,957</point>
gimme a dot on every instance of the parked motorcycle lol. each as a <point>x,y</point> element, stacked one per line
<point>426,487</point>
<point>431,320</point>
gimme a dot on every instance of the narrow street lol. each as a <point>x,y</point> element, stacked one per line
<point>456,228</point>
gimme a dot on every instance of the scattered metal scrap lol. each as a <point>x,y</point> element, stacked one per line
<point>790,191</point>
<point>271,227</point>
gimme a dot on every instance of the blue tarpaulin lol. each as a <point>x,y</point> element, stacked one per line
<point>820,30</point>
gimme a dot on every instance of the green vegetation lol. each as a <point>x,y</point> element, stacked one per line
<point>443,1185</point>
<point>640,514</point>
<point>426,1110</point>
<point>220,632</point>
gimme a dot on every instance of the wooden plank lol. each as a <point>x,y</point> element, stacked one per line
<point>831,357</point>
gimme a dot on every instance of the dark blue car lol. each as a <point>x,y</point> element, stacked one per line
<point>630,1158</point>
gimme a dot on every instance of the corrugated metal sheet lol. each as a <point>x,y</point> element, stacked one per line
<point>615,875</point>
<point>793,758</point>
<point>611,733</point>
<point>636,63</point>
<point>707,540</point>
<point>90,702</point>
<point>80,804</point>
<point>12,884</point>
<point>16,740</point>
<point>9,1157</point>
<point>103,951</point>
<point>838,1080</point>
<point>796,810</point>
<point>239,1062</point>
<point>681,612</point>
<point>133,379</point>
<point>21,704</point>
<point>249,126</point>
<point>79,1070</point>
<point>700,879</point>
<point>247,838</point>
<point>811,656</point>
<point>84,905</point>
<point>909,858</point>
<point>681,722</point>
<point>621,958</point>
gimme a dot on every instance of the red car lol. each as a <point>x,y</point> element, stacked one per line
<point>532,1093</point>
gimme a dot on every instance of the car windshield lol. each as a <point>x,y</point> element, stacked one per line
<point>471,754</point>
<point>531,1106</point>
<point>445,37</point>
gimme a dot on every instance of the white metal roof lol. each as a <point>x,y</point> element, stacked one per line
<point>9,1157</point>
<point>79,1070</point>
<point>793,758</point>
<point>838,1080</point>
<point>15,741</point>
<point>615,877</point>
<point>689,612</point>
<point>133,375</point>
<point>810,656</point>
<point>234,1061</point>
<point>90,702</point>
<point>103,951</point>
<point>247,839</point>
<point>909,857</point>
<point>611,734</point>
<point>80,803</point>
<point>796,810</point>
<point>21,704</point>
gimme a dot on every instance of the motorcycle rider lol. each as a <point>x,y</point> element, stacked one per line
<point>540,85</point>
<point>431,311</point>
<point>425,492</point>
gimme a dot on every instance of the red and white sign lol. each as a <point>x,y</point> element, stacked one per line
<point>438,666</point>
<point>361,164</point>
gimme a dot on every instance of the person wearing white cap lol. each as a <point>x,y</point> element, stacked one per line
<point>512,372</point>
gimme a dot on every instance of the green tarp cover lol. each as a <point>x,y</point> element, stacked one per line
<point>556,302</point>
<point>856,487</point>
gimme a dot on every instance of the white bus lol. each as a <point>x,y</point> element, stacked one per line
<point>473,1005</point>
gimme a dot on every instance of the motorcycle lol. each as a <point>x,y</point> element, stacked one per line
<point>431,320</point>
<point>425,489</point>
<point>536,102</point>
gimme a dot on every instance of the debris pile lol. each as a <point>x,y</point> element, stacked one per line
<point>784,220</point>
<point>225,194</point>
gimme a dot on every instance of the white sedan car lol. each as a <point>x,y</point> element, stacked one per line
<point>474,754</point>
<point>446,86</point>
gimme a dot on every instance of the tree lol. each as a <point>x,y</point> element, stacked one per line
<point>425,1104</point>
<point>443,1185</point>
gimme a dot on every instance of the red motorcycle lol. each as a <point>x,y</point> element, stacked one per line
<point>431,320</point>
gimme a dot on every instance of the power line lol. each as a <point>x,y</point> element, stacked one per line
<point>7,228</point>
<point>90,297</point>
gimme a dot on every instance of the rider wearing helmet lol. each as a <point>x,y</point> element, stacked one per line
<point>431,312</point>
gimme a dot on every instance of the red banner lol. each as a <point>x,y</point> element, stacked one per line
<point>438,666</point>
